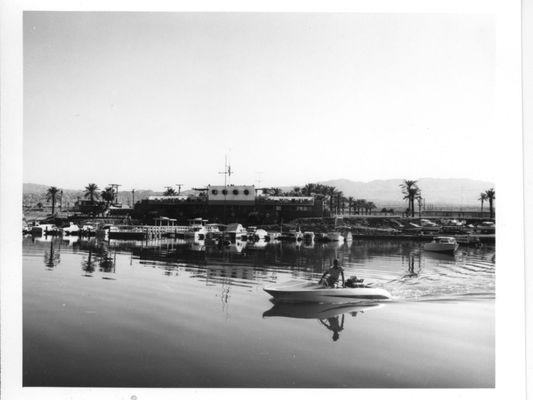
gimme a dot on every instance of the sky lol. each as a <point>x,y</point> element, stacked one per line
<point>148,100</point>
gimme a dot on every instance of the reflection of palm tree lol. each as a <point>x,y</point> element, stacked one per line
<point>88,264</point>
<point>334,326</point>
<point>411,270</point>
<point>51,258</point>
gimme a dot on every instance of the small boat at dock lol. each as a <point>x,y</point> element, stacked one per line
<point>292,235</point>
<point>72,229</point>
<point>330,237</point>
<point>442,244</point>
<point>197,230</point>
<point>45,229</point>
<point>235,232</point>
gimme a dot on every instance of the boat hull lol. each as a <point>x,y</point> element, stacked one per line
<point>313,293</point>
<point>441,247</point>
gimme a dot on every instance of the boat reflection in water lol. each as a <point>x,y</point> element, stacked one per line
<point>331,316</point>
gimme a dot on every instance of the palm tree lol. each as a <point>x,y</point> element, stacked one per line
<point>275,191</point>
<point>170,192</point>
<point>108,195</point>
<point>309,189</point>
<point>411,191</point>
<point>350,204</point>
<point>297,190</point>
<point>482,197</point>
<point>91,191</point>
<point>491,196</point>
<point>330,191</point>
<point>51,194</point>
<point>369,207</point>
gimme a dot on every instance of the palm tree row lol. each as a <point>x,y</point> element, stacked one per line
<point>488,195</point>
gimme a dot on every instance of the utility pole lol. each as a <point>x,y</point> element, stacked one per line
<point>179,185</point>
<point>132,198</point>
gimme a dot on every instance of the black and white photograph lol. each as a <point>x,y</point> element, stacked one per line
<point>251,199</point>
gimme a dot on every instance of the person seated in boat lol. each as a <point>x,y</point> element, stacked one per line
<point>331,276</point>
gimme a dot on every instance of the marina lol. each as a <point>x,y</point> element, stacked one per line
<point>259,199</point>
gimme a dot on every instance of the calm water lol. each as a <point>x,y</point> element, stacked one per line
<point>176,314</point>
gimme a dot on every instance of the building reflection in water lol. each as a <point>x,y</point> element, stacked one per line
<point>329,316</point>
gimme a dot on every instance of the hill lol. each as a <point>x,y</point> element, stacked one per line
<point>436,191</point>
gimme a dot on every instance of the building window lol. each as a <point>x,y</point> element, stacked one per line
<point>224,192</point>
<point>214,191</point>
<point>235,192</point>
<point>246,192</point>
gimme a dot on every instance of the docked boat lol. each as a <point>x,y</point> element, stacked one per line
<point>468,239</point>
<point>442,244</point>
<point>197,230</point>
<point>330,237</point>
<point>259,235</point>
<point>213,231</point>
<point>294,235</point>
<point>235,232</point>
<point>88,230</point>
<point>298,292</point>
<point>429,226</point>
<point>72,229</point>
<point>45,229</point>
<point>487,227</point>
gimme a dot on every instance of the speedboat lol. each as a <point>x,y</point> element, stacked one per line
<point>298,292</point>
<point>442,244</point>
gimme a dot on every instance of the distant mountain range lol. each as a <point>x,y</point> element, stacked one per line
<point>435,191</point>
<point>439,192</point>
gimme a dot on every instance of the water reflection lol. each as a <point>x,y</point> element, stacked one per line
<point>52,257</point>
<point>329,316</point>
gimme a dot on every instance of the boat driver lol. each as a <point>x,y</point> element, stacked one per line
<point>331,276</point>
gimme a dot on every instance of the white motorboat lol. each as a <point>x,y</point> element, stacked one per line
<point>442,244</point>
<point>235,232</point>
<point>72,229</point>
<point>196,230</point>
<point>298,291</point>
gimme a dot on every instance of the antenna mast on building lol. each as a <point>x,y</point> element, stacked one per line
<point>227,171</point>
